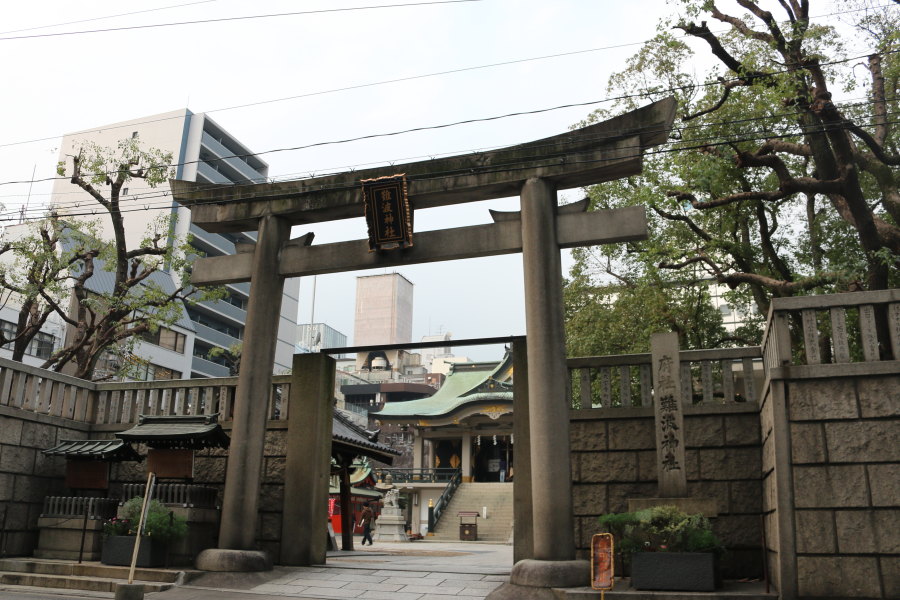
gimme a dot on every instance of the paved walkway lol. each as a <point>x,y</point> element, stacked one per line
<point>420,570</point>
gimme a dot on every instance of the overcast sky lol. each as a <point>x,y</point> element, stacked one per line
<point>282,82</point>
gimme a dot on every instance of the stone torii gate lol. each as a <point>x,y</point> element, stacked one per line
<point>535,171</point>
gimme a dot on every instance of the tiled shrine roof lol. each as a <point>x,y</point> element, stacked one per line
<point>178,431</point>
<point>109,450</point>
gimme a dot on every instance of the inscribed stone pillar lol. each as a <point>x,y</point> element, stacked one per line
<point>245,455</point>
<point>669,416</point>
<point>308,461</point>
<point>551,489</point>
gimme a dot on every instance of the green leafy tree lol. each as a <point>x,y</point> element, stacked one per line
<point>61,256</point>
<point>230,356</point>
<point>770,186</point>
<point>34,267</point>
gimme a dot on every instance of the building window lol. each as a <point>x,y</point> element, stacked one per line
<point>151,372</point>
<point>166,338</point>
<point>40,346</point>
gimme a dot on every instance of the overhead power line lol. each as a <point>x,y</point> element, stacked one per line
<point>517,165</point>
<point>152,193</point>
<point>386,82</point>
<point>127,14</point>
<point>227,19</point>
<point>656,93</point>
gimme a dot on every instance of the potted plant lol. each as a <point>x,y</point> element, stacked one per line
<point>667,548</point>
<point>161,527</point>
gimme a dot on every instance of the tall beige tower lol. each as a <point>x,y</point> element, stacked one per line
<point>384,305</point>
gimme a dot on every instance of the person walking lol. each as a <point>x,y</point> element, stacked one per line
<point>366,518</point>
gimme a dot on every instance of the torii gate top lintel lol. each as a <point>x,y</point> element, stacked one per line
<point>600,152</point>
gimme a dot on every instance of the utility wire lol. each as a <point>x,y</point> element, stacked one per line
<point>127,14</point>
<point>226,19</point>
<point>511,167</point>
<point>385,82</point>
<point>151,192</point>
<point>656,93</point>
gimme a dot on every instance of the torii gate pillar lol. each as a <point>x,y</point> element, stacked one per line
<point>551,483</point>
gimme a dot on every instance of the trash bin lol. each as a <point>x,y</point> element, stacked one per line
<point>468,526</point>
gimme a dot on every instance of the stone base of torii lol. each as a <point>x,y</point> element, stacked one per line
<point>544,537</point>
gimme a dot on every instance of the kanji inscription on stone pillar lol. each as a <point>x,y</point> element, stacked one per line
<point>669,421</point>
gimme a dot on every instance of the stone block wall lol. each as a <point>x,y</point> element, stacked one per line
<point>614,459</point>
<point>845,462</point>
<point>26,475</point>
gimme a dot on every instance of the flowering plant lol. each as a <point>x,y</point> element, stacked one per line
<point>160,522</point>
<point>117,526</point>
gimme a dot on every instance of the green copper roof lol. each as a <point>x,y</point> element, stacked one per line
<point>464,386</point>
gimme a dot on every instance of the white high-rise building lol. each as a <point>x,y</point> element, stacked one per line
<point>205,152</point>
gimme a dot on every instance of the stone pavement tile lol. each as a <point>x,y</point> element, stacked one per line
<point>473,593</point>
<point>378,587</point>
<point>317,592</point>
<point>455,576</point>
<point>389,573</point>
<point>273,588</point>
<point>357,577</point>
<point>320,575</point>
<point>484,585</point>
<point>302,583</point>
<point>411,580</point>
<point>373,595</point>
<point>500,578</point>
<point>428,590</point>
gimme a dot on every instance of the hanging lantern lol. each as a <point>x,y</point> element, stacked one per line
<point>478,440</point>
<point>495,440</point>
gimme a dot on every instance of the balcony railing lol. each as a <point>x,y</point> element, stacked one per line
<point>418,475</point>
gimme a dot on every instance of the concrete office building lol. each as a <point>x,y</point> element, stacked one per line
<point>384,305</point>
<point>204,152</point>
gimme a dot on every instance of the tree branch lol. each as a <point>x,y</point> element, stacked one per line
<point>702,31</point>
<point>683,218</point>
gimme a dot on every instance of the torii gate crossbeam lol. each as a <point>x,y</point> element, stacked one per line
<point>535,171</point>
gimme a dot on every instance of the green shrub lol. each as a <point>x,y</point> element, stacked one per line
<point>661,529</point>
<point>160,522</point>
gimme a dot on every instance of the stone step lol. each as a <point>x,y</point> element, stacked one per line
<point>731,590</point>
<point>75,582</point>
<point>86,569</point>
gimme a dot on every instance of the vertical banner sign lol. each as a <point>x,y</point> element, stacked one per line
<point>387,212</point>
<point>602,561</point>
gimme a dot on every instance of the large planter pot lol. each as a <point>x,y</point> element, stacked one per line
<point>117,550</point>
<point>673,571</point>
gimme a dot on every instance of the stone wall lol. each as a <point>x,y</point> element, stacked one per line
<point>614,459</point>
<point>26,475</point>
<point>845,463</point>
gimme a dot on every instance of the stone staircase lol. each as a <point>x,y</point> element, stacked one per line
<point>90,576</point>
<point>497,497</point>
